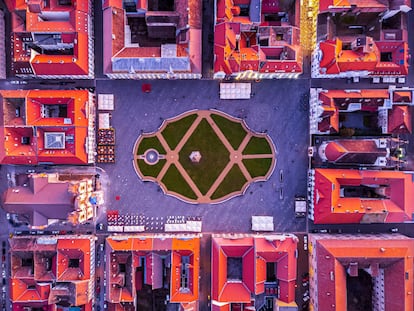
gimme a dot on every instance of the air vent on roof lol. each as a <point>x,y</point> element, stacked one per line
<point>54,140</point>
<point>67,121</point>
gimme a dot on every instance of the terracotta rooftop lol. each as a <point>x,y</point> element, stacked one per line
<point>42,277</point>
<point>252,255</point>
<point>46,126</point>
<point>362,196</point>
<point>126,259</point>
<point>351,48</point>
<point>395,106</point>
<point>155,40</point>
<point>336,260</point>
<point>335,59</point>
<point>249,42</point>
<point>42,29</point>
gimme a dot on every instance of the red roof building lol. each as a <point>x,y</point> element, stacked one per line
<point>382,152</point>
<point>361,196</point>
<point>39,198</point>
<point>361,272</point>
<point>388,111</point>
<point>47,127</point>
<point>148,271</point>
<point>152,39</point>
<point>247,272</point>
<point>52,273</point>
<point>362,38</point>
<point>256,39</point>
<point>52,39</point>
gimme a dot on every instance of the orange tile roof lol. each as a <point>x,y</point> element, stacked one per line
<point>232,59</point>
<point>371,100</point>
<point>400,96</point>
<point>366,54</point>
<point>122,248</point>
<point>74,124</point>
<point>330,5</point>
<point>117,48</point>
<point>331,207</point>
<point>73,28</point>
<point>254,252</point>
<point>68,249</point>
<point>399,120</point>
<point>330,258</point>
<point>40,288</point>
<point>27,290</point>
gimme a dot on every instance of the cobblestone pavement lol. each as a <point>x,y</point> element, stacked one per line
<point>277,107</point>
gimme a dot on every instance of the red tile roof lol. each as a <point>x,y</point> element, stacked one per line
<point>44,111</point>
<point>38,277</point>
<point>254,252</point>
<point>233,54</point>
<point>400,96</point>
<point>117,48</point>
<point>377,57</point>
<point>69,22</point>
<point>330,5</point>
<point>358,151</point>
<point>128,250</point>
<point>331,256</point>
<point>329,206</point>
<point>332,102</point>
<point>399,120</point>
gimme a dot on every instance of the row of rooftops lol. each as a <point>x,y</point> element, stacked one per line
<point>359,172</point>
<point>252,39</point>
<point>58,269</point>
<point>55,271</point>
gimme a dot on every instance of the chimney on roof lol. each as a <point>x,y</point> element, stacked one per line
<point>363,44</point>
<point>35,6</point>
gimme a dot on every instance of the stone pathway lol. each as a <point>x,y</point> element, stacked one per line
<point>236,157</point>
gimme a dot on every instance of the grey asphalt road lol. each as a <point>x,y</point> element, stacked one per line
<point>279,108</point>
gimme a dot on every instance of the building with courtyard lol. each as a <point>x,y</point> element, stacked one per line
<point>152,272</point>
<point>47,127</point>
<point>52,39</point>
<point>152,39</point>
<point>360,196</point>
<point>257,39</point>
<point>204,156</point>
<point>366,111</point>
<point>253,272</point>
<point>52,273</point>
<point>361,272</point>
<point>361,39</point>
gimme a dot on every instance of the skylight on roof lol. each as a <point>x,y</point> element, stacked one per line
<point>54,140</point>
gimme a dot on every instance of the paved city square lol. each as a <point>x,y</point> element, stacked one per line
<point>283,118</point>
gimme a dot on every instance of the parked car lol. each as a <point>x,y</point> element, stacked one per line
<point>305,242</point>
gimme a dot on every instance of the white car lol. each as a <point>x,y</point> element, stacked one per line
<point>305,242</point>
